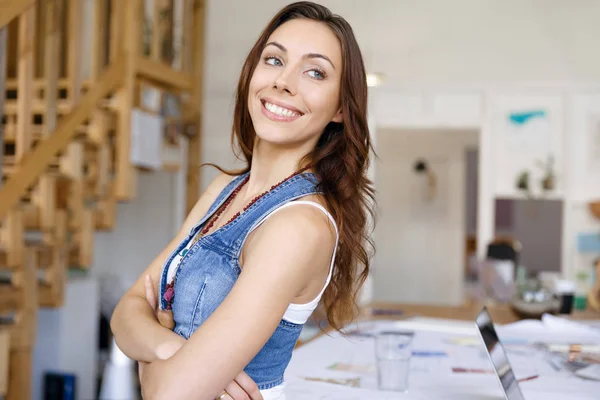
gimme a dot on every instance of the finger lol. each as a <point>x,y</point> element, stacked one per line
<point>149,289</point>
<point>248,386</point>
<point>236,392</point>
<point>165,318</point>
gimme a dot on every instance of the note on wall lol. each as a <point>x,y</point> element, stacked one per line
<point>528,131</point>
<point>146,139</point>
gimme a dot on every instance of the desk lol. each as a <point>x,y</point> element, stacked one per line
<point>501,313</point>
<point>430,378</point>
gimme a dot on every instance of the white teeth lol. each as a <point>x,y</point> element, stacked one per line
<point>284,112</point>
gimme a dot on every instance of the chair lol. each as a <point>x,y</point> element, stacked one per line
<point>498,270</point>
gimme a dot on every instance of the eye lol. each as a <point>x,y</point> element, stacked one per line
<point>271,60</point>
<point>317,74</point>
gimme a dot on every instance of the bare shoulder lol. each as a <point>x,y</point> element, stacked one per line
<point>207,198</point>
<point>218,184</point>
<point>299,232</point>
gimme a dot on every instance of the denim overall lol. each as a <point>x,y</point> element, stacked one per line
<point>211,267</point>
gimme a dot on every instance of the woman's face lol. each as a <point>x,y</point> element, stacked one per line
<point>294,91</point>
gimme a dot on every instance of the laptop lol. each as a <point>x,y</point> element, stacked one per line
<point>497,355</point>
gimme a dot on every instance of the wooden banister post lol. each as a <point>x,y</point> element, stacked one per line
<point>3,44</point>
<point>126,176</point>
<point>194,148</point>
<point>25,83</point>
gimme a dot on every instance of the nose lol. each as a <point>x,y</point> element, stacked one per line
<point>285,81</point>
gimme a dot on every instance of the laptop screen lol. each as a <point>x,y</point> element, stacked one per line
<point>498,357</point>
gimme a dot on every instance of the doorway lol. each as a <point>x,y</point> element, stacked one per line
<point>421,230</point>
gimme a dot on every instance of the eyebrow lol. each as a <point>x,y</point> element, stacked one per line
<point>308,55</point>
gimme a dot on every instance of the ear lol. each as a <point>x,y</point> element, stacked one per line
<point>338,117</point>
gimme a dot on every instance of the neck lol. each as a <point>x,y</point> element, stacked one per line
<point>270,166</point>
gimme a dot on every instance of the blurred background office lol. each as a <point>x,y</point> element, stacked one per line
<point>485,116</point>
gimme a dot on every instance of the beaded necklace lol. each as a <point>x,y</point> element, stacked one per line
<point>169,288</point>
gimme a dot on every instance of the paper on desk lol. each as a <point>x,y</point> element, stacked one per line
<point>424,324</point>
<point>567,326</point>
<point>552,329</point>
<point>590,372</point>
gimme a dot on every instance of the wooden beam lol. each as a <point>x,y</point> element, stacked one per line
<point>23,333</point>
<point>44,153</point>
<point>51,62</point>
<point>99,41</point>
<point>3,46</point>
<point>36,106</point>
<point>194,146</point>
<point>45,195</point>
<point>75,18</point>
<point>10,9</point>
<point>72,161</point>
<point>4,364</point>
<point>186,39</point>
<point>25,83</point>
<point>38,84</point>
<point>11,236</point>
<point>154,31</point>
<point>126,174</point>
<point>117,27</point>
<point>162,74</point>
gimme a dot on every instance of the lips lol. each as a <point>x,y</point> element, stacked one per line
<point>279,111</point>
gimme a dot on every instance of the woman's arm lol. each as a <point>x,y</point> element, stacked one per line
<point>134,325</point>
<point>288,251</point>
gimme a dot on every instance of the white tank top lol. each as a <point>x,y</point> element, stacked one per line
<point>295,313</point>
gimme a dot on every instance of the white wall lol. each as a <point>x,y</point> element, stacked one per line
<point>144,227</point>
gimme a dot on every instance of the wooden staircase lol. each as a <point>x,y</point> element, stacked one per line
<point>73,73</point>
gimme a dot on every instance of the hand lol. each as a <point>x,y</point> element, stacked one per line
<point>165,319</point>
<point>242,388</point>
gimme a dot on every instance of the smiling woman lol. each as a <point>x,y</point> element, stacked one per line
<point>264,246</point>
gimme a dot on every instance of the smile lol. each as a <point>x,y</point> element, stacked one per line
<point>279,113</point>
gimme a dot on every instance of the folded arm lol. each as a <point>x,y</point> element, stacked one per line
<point>284,255</point>
<point>135,327</point>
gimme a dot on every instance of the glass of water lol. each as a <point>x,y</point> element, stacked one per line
<point>393,352</point>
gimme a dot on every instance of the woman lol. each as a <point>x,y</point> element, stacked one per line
<point>262,247</point>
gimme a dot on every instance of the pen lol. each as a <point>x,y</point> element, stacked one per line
<point>529,378</point>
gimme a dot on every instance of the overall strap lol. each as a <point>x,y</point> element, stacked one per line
<point>234,235</point>
<point>221,198</point>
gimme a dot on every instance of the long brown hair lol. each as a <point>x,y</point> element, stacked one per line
<point>340,158</point>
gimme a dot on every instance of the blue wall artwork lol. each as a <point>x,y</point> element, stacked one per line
<point>522,118</point>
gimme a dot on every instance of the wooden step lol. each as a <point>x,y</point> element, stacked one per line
<point>36,132</point>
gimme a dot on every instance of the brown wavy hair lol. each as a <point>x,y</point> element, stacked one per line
<point>340,158</point>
